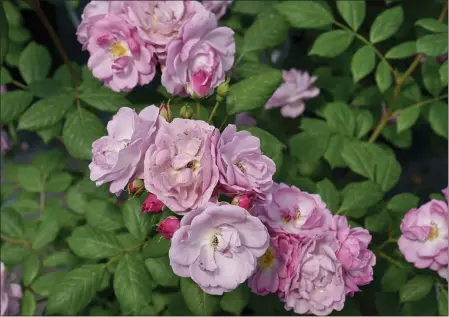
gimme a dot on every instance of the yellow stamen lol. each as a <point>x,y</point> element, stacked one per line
<point>267,260</point>
<point>434,232</point>
<point>118,50</point>
<point>240,166</point>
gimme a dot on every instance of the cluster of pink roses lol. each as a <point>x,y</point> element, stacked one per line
<point>127,39</point>
<point>10,294</point>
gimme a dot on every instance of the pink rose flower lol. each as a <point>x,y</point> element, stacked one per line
<point>93,12</point>
<point>180,166</point>
<point>355,257</point>
<point>5,143</point>
<point>118,56</point>
<point>317,286</point>
<point>218,247</point>
<point>152,205</point>
<point>168,227</point>
<point>117,158</point>
<point>217,7</point>
<point>424,236</point>
<point>294,211</point>
<point>296,88</point>
<point>198,59</point>
<point>10,294</point>
<point>445,193</point>
<point>243,167</point>
<point>244,201</point>
<point>245,118</point>
<point>277,266</point>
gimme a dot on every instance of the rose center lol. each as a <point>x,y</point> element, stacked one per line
<point>240,167</point>
<point>215,242</point>
<point>118,50</point>
<point>267,260</point>
<point>434,232</point>
<point>193,165</point>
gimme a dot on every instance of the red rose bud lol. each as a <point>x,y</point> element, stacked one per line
<point>244,201</point>
<point>152,204</point>
<point>168,227</point>
<point>136,187</point>
<point>165,112</point>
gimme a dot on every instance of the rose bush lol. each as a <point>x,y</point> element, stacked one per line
<point>223,157</point>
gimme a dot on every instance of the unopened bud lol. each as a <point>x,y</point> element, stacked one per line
<point>223,90</point>
<point>136,187</point>
<point>186,112</point>
<point>168,227</point>
<point>165,112</point>
<point>244,201</point>
<point>152,204</point>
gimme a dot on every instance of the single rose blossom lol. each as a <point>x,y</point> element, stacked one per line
<point>355,257</point>
<point>118,56</point>
<point>277,266</point>
<point>198,59</point>
<point>10,294</point>
<point>217,7</point>
<point>245,118</point>
<point>244,201</point>
<point>218,247</point>
<point>296,88</point>
<point>168,227</point>
<point>152,205</point>
<point>180,166</point>
<point>317,286</point>
<point>242,165</point>
<point>424,236</point>
<point>294,211</point>
<point>117,157</point>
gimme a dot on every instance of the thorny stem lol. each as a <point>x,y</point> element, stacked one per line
<point>391,260</point>
<point>386,242</point>
<point>26,243</point>
<point>223,122</point>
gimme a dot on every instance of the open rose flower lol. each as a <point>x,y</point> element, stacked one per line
<point>218,247</point>
<point>243,167</point>
<point>118,56</point>
<point>217,7</point>
<point>424,236</point>
<point>355,257</point>
<point>180,166</point>
<point>318,286</point>
<point>117,158</point>
<point>296,88</point>
<point>10,294</point>
<point>198,59</point>
<point>294,211</point>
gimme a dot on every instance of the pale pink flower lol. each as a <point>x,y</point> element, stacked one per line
<point>217,7</point>
<point>10,294</point>
<point>445,193</point>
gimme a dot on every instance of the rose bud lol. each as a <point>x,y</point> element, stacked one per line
<point>244,201</point>
<point>168,226</point>
<point>136,187</point>
<point>165,112</point>
<point>223,90</point>
<point>152,204</point>
<point>186,112</point>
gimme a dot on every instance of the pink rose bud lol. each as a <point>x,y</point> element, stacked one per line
<point>136,187</point>
<point>186,112</point>
<point>244,201</point>
<point>165,112</point>
<point>168,227</point>
<point>152,204</point>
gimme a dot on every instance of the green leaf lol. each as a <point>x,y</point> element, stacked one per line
<point>432,25</point>
<point>305,14</point>
<point>13,104</point>
<point>401,140</point>
<point>199,302</point>
<point>58,182</point>
<point>51,132</point>
<point>268,30</point>
<point>19,35</point>
<point>132,283</point>
<point>234,302</point>
<point>30,179</point>
<point>316,127</point>
<point>49,161</point>
<point>25,205</point>
<point>46,234</point>
<point>340,117</point>
<point>393,279</point>
<point>252,92</point>
<point>63,74</point>
<point>360,195</point>
<point>387,172</point>
<point>248,69</point>
<point>363,122</point>
<point>407,118</point>
<point>438,118</point>
<point>161,271</point>
<point>90,243</point>
<point>316,146</point>
<point>13,15</point>
<point>340,40</point>
<point>329,194</point>
<point>76,200</point>
<point>251,7</point>
<point>28,304</point>
<point>104,99</point>
<point>34,63</point>
<point>138,224</point>
<point>60,259</point>
<point>384,79</point>
<point>363,62</point>
<point>45,113</point>
<point>386,24</point>
<point>4,41</point>
<point>75,290</point>
<point>43,284</point>
<point>5,76</point>
<point>31,268</point>
<point>443,73</point>
<point>416,288</point>
<point>368,97</point>
<point>103,215</point>
<point>387,304</point>
<point>432,45</point>
<point>353,12</point>
<point>46,87</point>
<point>156,247</point>
<point>431,77</point>
<point>377,222</point>
<point>402,50</point>
<point>401,203</point>
<point>11,224</point>
<point>442,302</point>
<point>12,254</point>
<point>81,129</point>
<point>333,152</point>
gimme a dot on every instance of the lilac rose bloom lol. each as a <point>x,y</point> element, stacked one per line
<point>117,158</point>
<point>355,257</point>
<point>218,247</point>
<point>242,165</point>
<point>296,88</point>
<point>445,193</point>
<point>198,59</point>
<point>5,143</point>
<point>10,294</point>
<point>217,7</point>
<point>424,239</point>
<point>180,166</point>
<point>118,56</point>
